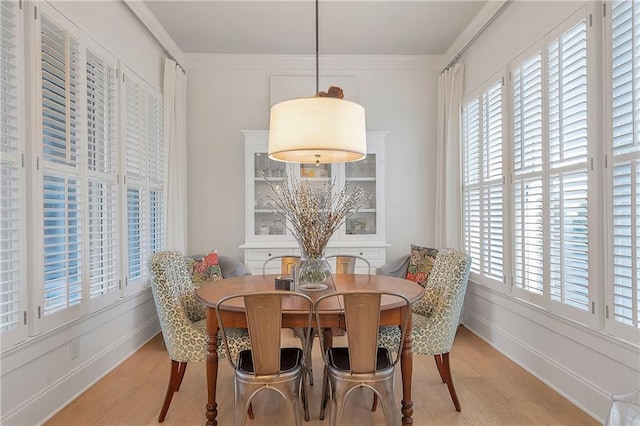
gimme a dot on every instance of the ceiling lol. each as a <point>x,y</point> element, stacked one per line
<point>392,27</point>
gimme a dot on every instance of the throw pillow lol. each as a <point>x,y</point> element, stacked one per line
<point>420,264</point>
<point>205,269</point>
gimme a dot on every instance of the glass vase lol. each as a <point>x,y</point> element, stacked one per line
<point>311,272</point>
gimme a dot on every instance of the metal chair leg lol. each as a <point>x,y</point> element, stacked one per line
<point>305,398</point>
<point>325,393</point>
<point>337,404</point>
<point>390,413</point>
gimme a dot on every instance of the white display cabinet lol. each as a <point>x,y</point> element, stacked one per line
<point>265,232</point>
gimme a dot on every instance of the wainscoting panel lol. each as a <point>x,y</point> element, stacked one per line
<point>44,374</point>
<point>586,366</point>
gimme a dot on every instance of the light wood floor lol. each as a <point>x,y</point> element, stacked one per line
<point>492,391</point>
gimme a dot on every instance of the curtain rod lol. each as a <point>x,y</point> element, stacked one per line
<point>470,42</point>
<point>152,35</point>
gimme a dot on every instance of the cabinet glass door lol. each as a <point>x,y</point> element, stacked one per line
<point>265,221</point>
<point>363,174</point>
<point>317,176</point>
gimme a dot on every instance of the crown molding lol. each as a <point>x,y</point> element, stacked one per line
<point>307,62</point>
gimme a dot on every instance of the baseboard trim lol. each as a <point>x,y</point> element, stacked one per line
<point>547,370</point>
<point>50,400</point>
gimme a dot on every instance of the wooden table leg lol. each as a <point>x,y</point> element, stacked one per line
<point>212,366</point>
<point>327,336</point>
<point>406,366</point>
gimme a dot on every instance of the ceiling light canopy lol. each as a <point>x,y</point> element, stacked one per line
<point>321,129</point>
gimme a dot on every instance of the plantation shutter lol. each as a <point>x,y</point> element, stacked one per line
<point>60,94</point>
<point>63,208</point>
<point>156,212</point>
<point>136,171</point>
<point>471,180</point>
<point>136,235</point>
<point>527,181</point>
<point>624,184</point>
<point>101,114</point>
<point>12,178</point>
<point>102,185</point>
<point>155,131</point>
<point>62,242</point>
<point>144,163</point>
<point>551,172</point>
<point>492,216</point>
<point>136,129</point>
<point>568,189</point>
<point>156,173</point>
<point>482,183</point>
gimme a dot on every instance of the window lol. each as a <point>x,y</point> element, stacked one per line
<point>102,139</point>
<point>569,191</point>
<point>62,156</point>
<point>483,182</point>
<point>85,224</point>
<point>93,171</point>
<point>623,178</point>
<point>551,172</point>
<point>12,179</point>
<point>548,159</point>
<point>144,170</point>
<point>527,184</point>
<point>568,163</point>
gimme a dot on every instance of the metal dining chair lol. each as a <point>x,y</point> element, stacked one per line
<point>362,363</point>
<point>625,409</point>
<point>267,365</point>
<point>287,263</point>
<point>346,263</point>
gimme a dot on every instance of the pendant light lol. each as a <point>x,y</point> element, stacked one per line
<point>320,129</point>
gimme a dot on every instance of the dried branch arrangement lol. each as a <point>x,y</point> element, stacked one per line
<point>313,214</point>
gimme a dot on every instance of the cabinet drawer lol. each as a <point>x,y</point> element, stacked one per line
<point>370,254</point>
<point>331,252</point>
<point>255,267</point>
<point>264,254</point>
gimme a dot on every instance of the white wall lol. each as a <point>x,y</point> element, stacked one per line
<point>583,364</point>
<point>519,25</point>
<point>229,93</point>
<point>38,376</point>
<point>110,24</point>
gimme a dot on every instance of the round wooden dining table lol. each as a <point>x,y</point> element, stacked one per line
<point>391,313</point>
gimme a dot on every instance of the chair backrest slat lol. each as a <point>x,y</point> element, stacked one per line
<point>264,318</point>
<point>287,263</point>
<point>263,312</point>
<point>362,315</point>
<point>346,263</point>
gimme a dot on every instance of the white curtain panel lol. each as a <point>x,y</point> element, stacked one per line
<point>175,134</point>
<point>448,172</point>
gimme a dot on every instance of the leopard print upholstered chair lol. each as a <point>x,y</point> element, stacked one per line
<point>436,316</point>
<point>182,320</point>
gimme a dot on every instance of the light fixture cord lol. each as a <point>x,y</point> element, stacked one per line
<point>317,56</point>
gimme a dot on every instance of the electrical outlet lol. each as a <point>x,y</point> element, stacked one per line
<point>75,348</point>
